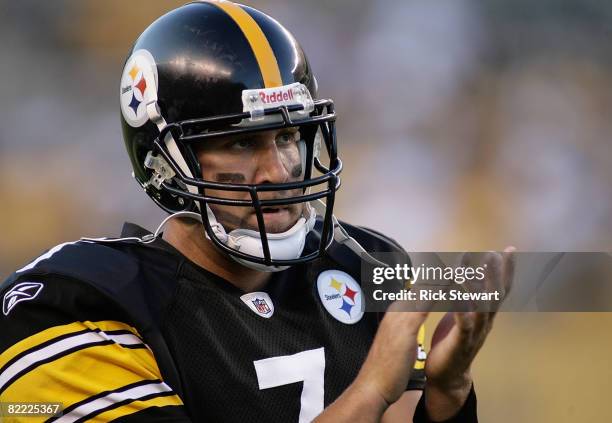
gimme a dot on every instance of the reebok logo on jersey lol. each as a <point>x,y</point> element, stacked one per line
<point>341,296</point>
<point>24,291</point>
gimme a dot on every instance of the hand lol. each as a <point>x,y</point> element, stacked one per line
<point>385,373</point>
<point>456,341</point>
<point>391,358</point>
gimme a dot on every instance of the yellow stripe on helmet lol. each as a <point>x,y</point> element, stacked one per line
<point>264,55</point>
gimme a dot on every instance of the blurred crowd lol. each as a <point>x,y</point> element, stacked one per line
<point>463,124</point>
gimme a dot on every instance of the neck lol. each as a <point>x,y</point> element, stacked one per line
<point>187,236</point>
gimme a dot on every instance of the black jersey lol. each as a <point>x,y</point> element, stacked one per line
<point>121,329</point>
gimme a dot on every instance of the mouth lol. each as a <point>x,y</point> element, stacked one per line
<point>273,210</point>
<point>276,219</point>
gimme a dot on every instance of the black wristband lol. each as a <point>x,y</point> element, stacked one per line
<point>467,413</point>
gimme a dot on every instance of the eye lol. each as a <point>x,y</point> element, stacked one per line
<point>287,138</point>
<point>242,144</point>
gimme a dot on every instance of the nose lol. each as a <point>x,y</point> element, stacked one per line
<point>270,166</point>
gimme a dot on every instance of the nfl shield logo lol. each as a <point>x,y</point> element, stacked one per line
<point>260,303</point>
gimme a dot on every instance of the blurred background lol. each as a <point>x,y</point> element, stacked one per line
<point>463,125</point>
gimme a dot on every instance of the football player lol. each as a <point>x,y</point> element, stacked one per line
<point>245,304</point>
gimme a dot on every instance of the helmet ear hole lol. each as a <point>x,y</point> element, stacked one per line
<point>187,204</point>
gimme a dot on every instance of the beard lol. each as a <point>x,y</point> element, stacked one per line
<point>276,219</point>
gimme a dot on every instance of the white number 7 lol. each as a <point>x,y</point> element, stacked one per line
<point>306,366</point>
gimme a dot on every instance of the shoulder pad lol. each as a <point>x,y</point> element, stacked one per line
<point>107,279</point>
<point>111,266</point>
<point>373,241</point>
<point>84,261</point>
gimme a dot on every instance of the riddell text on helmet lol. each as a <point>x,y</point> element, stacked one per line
<point>276,96</point>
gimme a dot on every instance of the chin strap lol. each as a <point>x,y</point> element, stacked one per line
<point>286,245</point>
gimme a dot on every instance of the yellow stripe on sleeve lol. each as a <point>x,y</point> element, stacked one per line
<point>421,335</point>
<point>420,364</point>
<point>259,43</point>
<point>84,373</point>
<point>56,331</point>
<point>136,406</point>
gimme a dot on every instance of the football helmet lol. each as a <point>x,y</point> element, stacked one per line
<point>210,71</point>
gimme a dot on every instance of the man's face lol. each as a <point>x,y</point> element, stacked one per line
<point>268,157</point>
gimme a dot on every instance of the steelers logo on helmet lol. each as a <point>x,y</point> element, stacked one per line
<point>138,84</point>
<point>341,296</point>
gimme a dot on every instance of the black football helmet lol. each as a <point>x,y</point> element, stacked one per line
<point>213,69</point>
